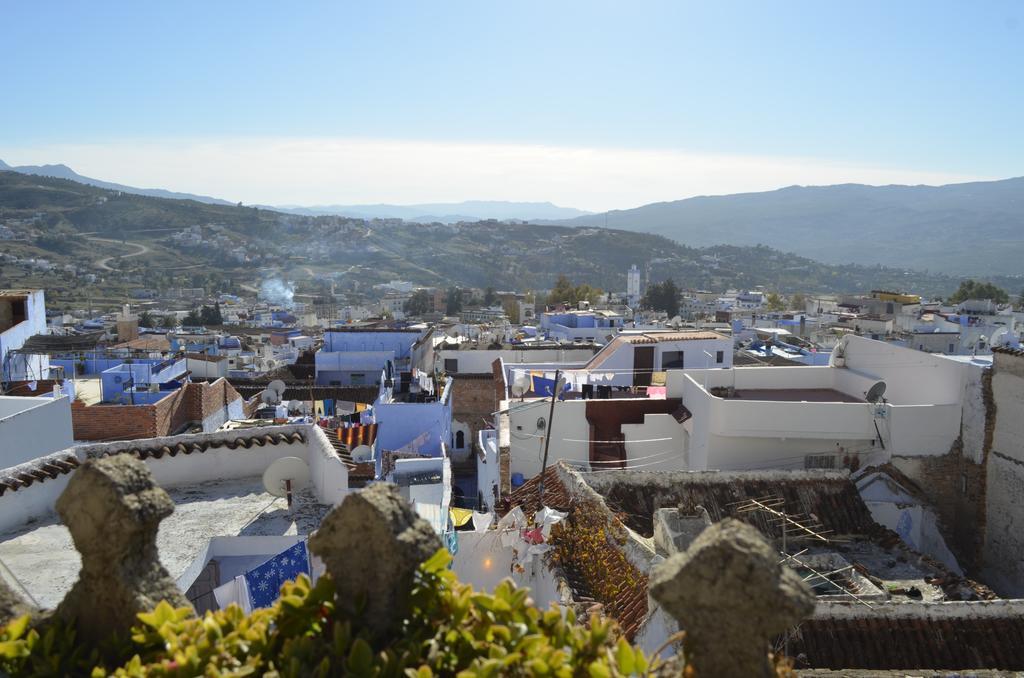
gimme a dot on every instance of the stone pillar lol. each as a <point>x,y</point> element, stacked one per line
<point>113,508</point>
<point>12,605</point>
<point>731,595</point>
<point>372,546</point>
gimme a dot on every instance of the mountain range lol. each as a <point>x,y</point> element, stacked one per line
<point>65,172</point>
<point>445,213</point>
<point>962,229</point>
<point>958,229</point>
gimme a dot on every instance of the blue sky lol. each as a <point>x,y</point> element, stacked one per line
<point>591,104</point>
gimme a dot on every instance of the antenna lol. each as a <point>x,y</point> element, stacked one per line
<point>520,386</point>
<point>875,393</point>
<point>286,475</point>
<point>278,387</point>
<point>361,454</point>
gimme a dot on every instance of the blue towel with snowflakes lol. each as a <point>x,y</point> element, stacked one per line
<point>264,582</point>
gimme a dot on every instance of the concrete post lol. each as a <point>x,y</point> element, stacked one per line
<point>731,595</point>
<point>372,546</point>
<point>113,508</point>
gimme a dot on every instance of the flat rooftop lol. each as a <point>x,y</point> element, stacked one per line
<point>42,557</point>
<point>797,395</point>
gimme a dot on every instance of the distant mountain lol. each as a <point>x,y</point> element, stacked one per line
<point>446,213</point>
<point>65,172</point>
<point>965,229</point>
<point>506,256</point>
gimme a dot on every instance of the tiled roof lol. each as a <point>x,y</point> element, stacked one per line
<point>829,497</point>
<point>947,641</point>
<point>1019,352</point>
<point>47,469</point>
<point>527,495</point>
<point>157,451</point>
<point>629,608</point>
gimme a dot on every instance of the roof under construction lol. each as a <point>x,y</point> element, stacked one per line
<point>46,344</point>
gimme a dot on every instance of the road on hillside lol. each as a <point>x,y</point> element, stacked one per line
<point>102,262</point>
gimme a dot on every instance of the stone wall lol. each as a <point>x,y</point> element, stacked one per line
<point>1004,539</point>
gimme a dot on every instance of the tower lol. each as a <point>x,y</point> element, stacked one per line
<point>633,285</point>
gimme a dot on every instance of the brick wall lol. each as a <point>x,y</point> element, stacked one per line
<point>112,422</point>
<point>191,403</point>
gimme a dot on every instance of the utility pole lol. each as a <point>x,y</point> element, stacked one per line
<point>547,438</point>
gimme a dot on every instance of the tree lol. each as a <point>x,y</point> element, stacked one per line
<point>564,292</point>
<point>211,315</point>
<point>193,319</point>
<point>773,302</point>
<point>663,296</point>
<point>972,289</point>
<point>511,307</point>
<point>453,301</point>
<point>170,322</point>
<point>490,297</point>
<point>146,320</point>
<point>798,302</point>
<point>417,304</point>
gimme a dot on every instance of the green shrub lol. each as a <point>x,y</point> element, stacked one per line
<point>451,631</point>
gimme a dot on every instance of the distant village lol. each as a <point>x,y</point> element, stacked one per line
<point>874,440</point>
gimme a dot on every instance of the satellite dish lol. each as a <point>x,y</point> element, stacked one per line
<point>278,387</point>
<point>270,398</point>
<point>997,337</point>
<point>294,405</point>
<point>362,453</point>
<point>520,386</point>
<point>286,475</point>
<point>875,393</point>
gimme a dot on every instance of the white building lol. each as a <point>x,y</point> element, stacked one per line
<point>222,513</point>
<point>33,427</point>
<point>22,315</point>
<point>797,417</point>
<point>633,285</point>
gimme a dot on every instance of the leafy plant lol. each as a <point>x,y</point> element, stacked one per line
<point>452,630</point>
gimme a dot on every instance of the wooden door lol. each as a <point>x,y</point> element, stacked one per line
<point>643,365</point>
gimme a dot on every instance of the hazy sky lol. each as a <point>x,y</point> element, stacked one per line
<point>588,104</point>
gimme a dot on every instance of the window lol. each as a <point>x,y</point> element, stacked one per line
<point>358,378</point>
<point>719,357</point>
<point>451,365</point>
<point>460,440</point>
<point>672,360</point>
<point>951,350</point>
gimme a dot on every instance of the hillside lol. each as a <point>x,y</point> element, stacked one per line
<point>963,229</point>
<point>65,172</point>
<point>116,213</point>
<point>507,256</point>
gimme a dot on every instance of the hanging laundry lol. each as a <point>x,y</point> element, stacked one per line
<point>355,435</point>
<point>235,591</point>
<point>657,392</point>
<point>460,516</point>
<point>545,387</point>
<point>367,417</point>
<point>452,541</point>
<point>482,521</point>
<point>264,582</point>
